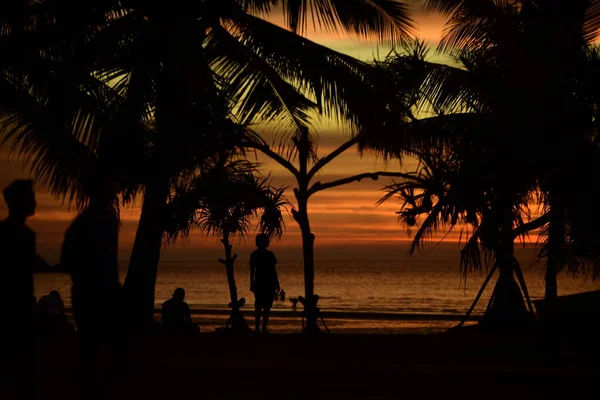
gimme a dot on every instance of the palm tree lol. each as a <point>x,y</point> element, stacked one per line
<point>222,201</point>
<point>265,80</point>
<point>55,114</point>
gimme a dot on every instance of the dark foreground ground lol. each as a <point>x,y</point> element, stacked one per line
<point>468,364</point>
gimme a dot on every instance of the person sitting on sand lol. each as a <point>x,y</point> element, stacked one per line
<point>51,304</point>
<point>264,282</point>
<point>176,315</point>
<point>51,314</point>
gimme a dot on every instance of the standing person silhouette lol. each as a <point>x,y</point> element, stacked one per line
<point>89,254</point>
<point>19,260</point>
<point>264,282</point>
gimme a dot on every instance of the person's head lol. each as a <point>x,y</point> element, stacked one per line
<point>20,198</point>
<point>179,294</point>
<point>262,240</point>
<point>55,293</point>
<point>101,190</point>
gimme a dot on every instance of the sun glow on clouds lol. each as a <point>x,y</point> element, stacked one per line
<point>428,28</point>
<point>343,219</point>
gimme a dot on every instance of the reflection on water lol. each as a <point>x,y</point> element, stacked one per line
<point>423,287</point>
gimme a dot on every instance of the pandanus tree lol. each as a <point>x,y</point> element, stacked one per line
<point>449,192</point>
<point>224,200</point>
<point>545,59</point>
<point>499,102</point>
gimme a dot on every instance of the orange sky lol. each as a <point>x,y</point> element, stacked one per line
<point>345,220</point>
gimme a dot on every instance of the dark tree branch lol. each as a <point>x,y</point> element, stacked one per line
<point>535,224</point>
<point>318,186</point>
<point>266,150</point>
<point>332,156</point>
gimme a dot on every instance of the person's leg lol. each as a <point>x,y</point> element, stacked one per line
<point>257,312</point>
<point>266,314</point>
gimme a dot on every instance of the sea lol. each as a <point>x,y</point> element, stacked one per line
<point>382,296</point>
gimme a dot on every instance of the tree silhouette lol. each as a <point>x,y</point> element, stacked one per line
<point>499,108</point>
<point>156,105</point>
<point>354,100</point>
<point>59,117</point>
<point>179,88</point>
<point>223,200</point>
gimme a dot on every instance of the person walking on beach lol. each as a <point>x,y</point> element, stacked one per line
<point>264,282</point>
<point>89,254</point>
<point>19,260</point>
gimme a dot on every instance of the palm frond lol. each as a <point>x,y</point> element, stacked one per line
<point>385,20</point>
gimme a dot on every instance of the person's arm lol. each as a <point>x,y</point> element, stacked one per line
<point>252,272</point>
<point>42,266</point>
<point>188,314</point>
<point>275,273</point>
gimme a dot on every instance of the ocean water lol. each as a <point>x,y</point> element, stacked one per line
<point>430,287</point>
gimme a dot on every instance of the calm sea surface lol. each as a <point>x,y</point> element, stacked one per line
<point>420,287</point>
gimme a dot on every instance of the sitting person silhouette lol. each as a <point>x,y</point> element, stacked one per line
<point>51,304</point>
<point>176,315</point>
<point>51,314</point>
<point>264,282</point>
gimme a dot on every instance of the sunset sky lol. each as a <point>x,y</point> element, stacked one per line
<point>345,220</point>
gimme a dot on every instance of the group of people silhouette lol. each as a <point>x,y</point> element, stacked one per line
<point>89,256</point>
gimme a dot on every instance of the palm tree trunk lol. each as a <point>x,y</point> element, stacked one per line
<point>229,263</point>
<point>303,144</point>
<point>308,242</point>
<point>140,281</point>
<point>237,320</point>
<point>507,304</point>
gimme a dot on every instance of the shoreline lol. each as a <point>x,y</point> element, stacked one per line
<point>355,315</point>
<point>333,314</point>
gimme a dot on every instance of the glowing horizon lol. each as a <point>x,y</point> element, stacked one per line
<point>342,218</point>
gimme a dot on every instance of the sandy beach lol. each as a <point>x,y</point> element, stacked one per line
<point>463,364</point>
<point>356,323</point>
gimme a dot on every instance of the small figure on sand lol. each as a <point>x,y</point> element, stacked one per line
<point>176,315</point>
<point>51,315</point>
<point>264,282</point>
